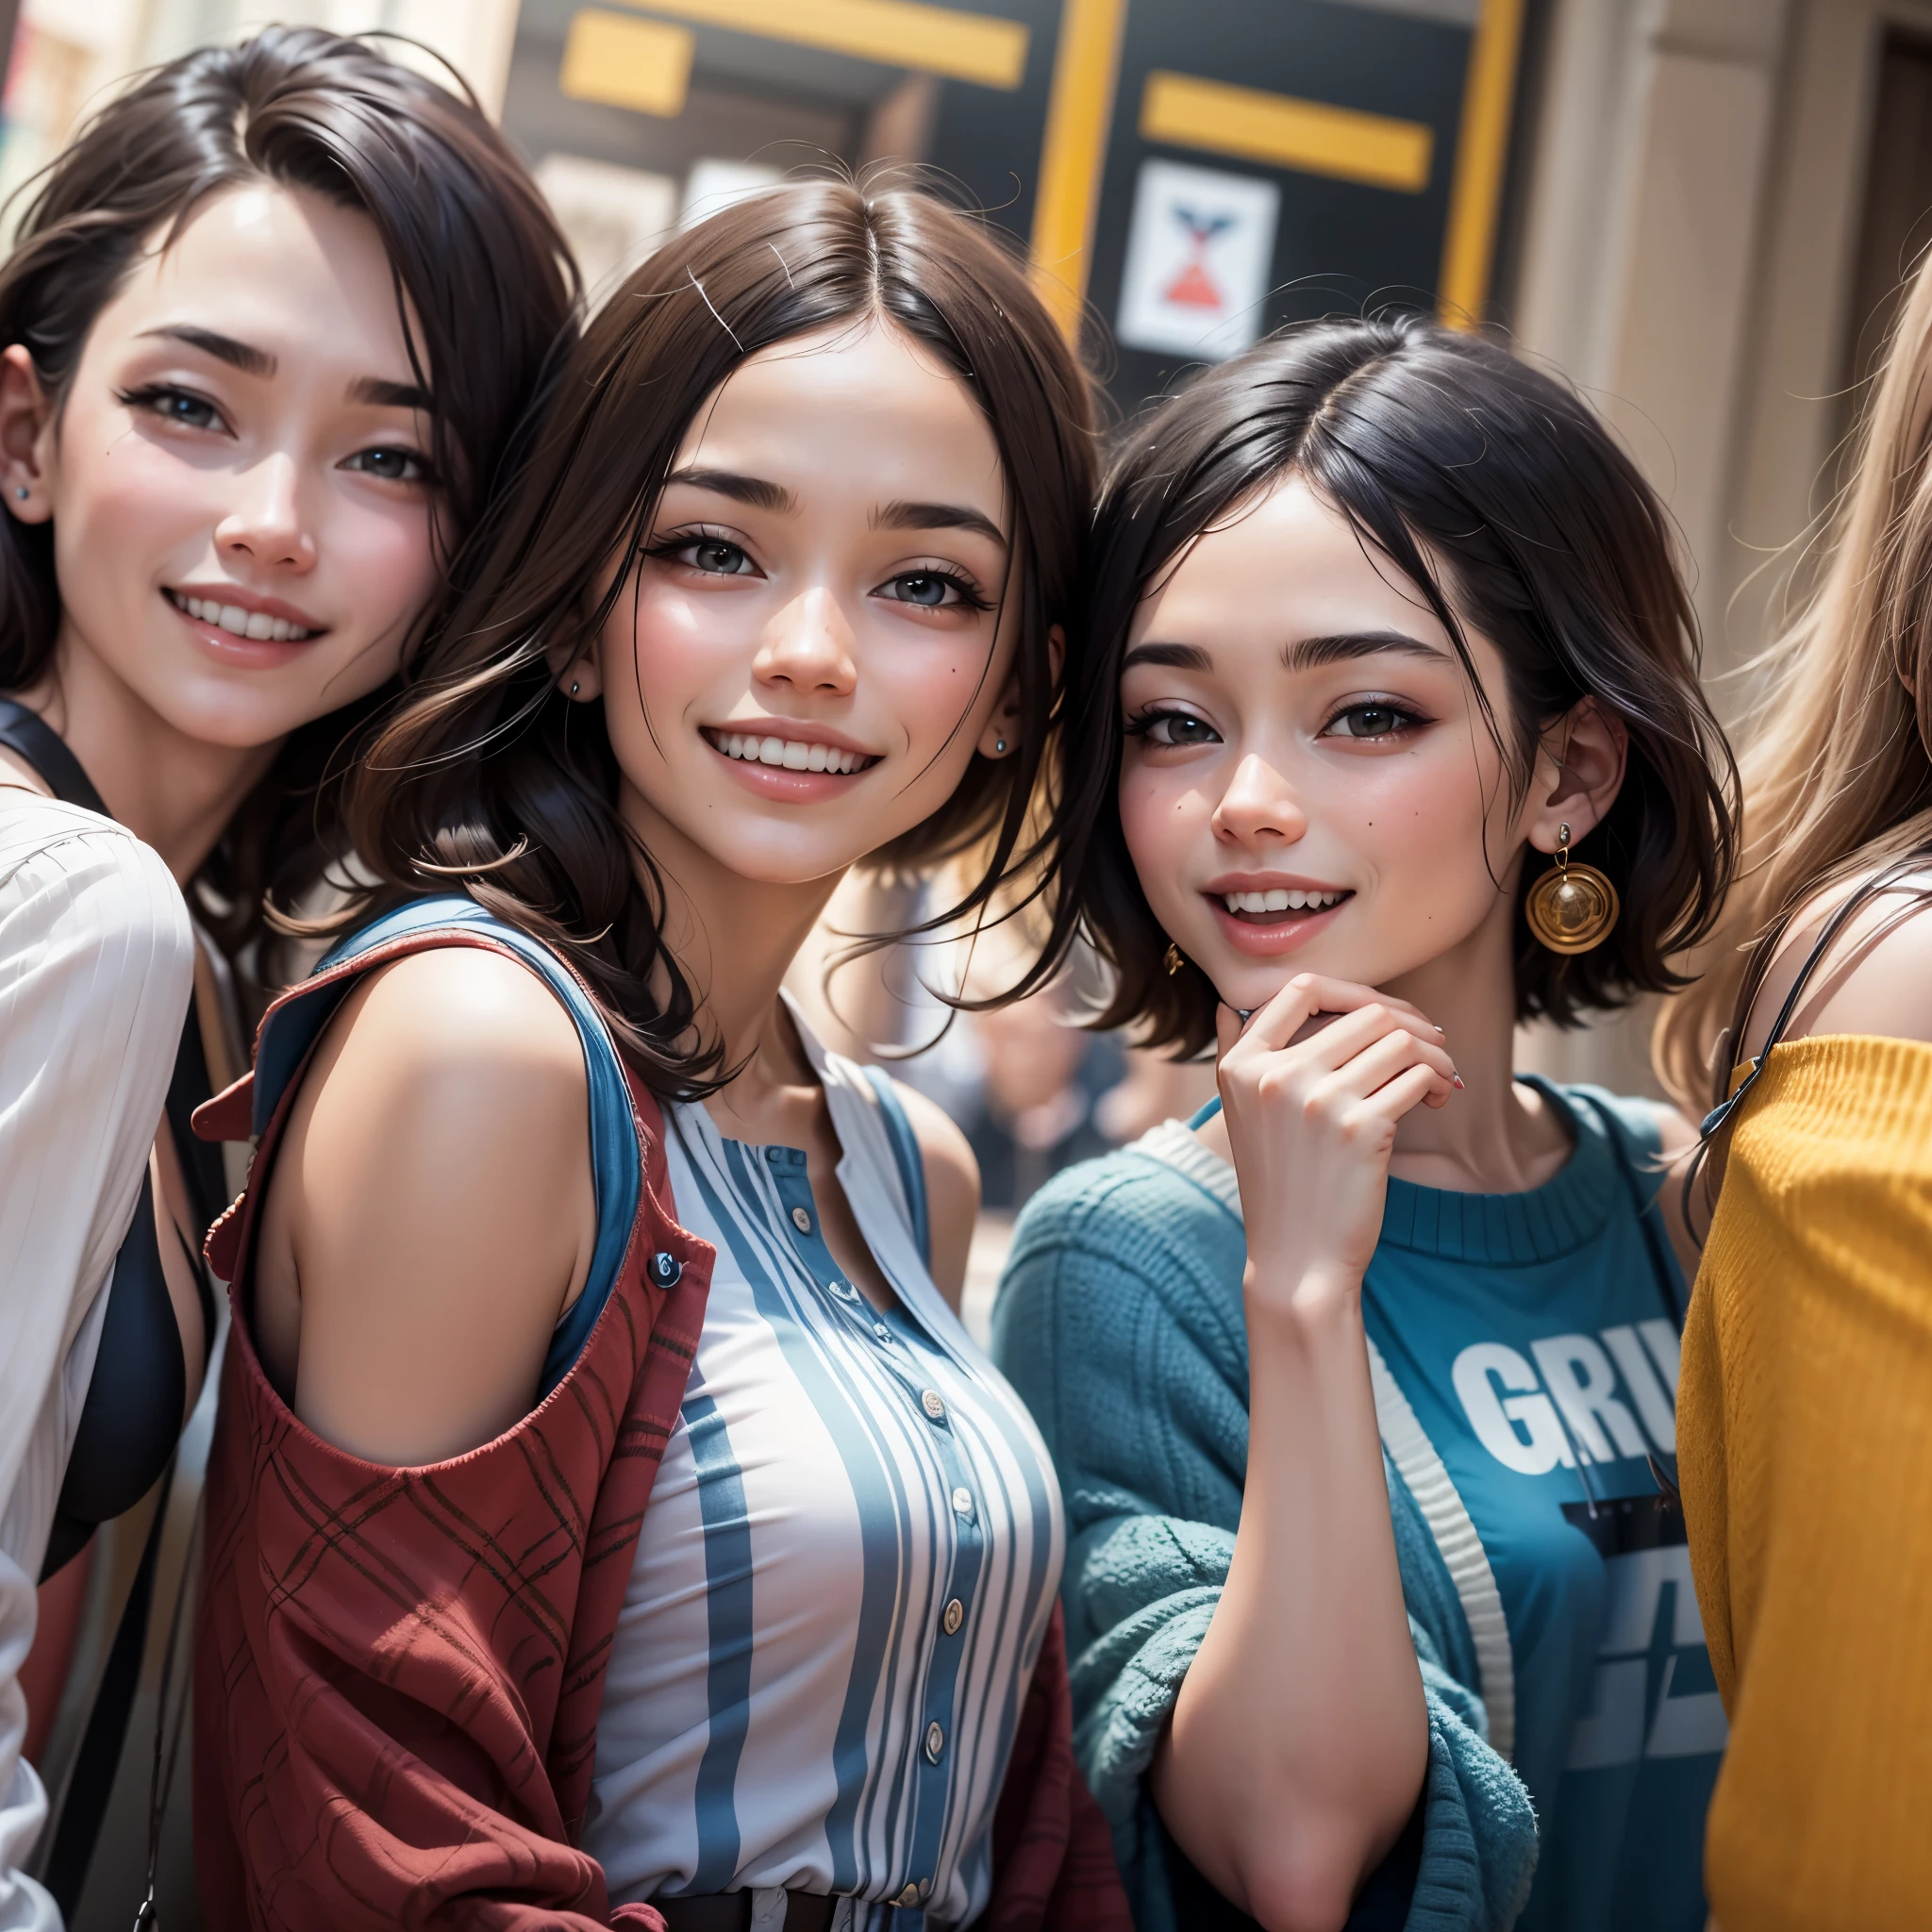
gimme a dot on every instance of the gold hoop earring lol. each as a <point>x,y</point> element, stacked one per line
<point>1571,907</point>
<point>1174,959</point>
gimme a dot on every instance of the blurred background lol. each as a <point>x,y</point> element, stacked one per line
<point>1698,210</point>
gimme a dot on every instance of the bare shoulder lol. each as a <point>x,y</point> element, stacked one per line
<point>431,1212</point>
<point>951,1188</point>
<point>1877,978</point>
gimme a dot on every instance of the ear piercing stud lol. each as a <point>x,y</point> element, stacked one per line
<point>22,491</point>
<point>999,747</point>
<point>575,687</point>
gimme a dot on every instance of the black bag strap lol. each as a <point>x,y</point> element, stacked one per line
<point>36,741</point>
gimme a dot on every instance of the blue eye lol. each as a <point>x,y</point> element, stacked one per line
<point>177,406</point>
<point>924,589</point>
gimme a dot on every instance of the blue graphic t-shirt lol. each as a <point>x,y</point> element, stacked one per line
<point>1535,1336</point>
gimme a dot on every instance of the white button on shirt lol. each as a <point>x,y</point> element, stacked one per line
<point>820,1659</point>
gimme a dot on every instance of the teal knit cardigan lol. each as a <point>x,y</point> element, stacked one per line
<point>1119,1320</point>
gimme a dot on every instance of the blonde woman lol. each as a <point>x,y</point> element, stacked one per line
<point>1804,1412</point>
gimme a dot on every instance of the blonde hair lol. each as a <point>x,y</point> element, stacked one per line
<point>1836,771</point>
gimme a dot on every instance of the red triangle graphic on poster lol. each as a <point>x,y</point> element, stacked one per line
<point>1192,288</point>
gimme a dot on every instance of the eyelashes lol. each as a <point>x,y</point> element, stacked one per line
<point>711,553</point>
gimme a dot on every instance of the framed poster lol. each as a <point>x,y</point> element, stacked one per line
<point>1199,248</point>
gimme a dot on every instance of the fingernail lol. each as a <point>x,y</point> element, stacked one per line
<point>1439,1030</point>
<point>1457,1079</point>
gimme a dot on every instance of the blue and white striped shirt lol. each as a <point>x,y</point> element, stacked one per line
<point>848,1567</point>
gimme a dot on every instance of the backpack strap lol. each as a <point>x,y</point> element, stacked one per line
<point>907,1157</point>
<point>293,1027</point>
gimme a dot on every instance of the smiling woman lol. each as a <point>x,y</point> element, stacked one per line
<point>779,594</point>
<point>265,334</point>
<point>1359,1379</point>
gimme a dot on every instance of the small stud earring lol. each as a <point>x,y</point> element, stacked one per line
<point>999,747</point>
<point>575,687</point>
<point>22,491</point>
<point>1174,959</point>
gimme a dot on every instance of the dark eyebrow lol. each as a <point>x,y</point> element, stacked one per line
<point>752,490</point>
<point>1310,653</point>
<point>1175,657</point>
<point>391,395</point>
<point>243,356</point>
<point>936,516</point>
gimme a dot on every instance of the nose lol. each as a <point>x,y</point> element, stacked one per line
<point>1257,806</point>
<point>807,648</point>
<point>267,525</point>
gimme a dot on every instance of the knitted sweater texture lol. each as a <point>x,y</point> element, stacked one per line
<point>1120,1322</point>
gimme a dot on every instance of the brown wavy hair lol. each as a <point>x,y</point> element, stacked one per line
<point>485,779</point>
<point>475,257</point>
<point>1838,757</point>
<point>1501,497</point>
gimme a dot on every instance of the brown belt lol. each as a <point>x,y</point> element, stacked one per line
<point>730,1911</point>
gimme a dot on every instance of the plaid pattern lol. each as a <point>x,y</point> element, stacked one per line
<point>398,1671</point>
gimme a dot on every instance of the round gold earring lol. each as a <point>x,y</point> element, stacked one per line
<point>1571,907</point>
<point>1174,959</point>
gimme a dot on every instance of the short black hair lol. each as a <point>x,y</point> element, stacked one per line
<point>1498,493</point>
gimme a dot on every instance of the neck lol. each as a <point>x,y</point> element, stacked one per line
<point>735,938</point>
<point>173,791</point>
<point>1494,1136</point>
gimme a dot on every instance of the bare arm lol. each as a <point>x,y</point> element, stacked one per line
<point>432,1212</point>
<point>952,1189</point>
<point>1300,1737</point>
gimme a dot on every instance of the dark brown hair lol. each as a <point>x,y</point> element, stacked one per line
<point>488,779</point>
<point>1498,494</point>
<point>474,253</point>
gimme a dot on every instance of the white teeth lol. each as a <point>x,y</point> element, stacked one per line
<point>792,754</point>
<point>243,624</point>
<point>1280,899</point>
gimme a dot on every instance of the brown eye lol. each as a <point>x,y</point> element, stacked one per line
<point>1369,721</point>
<point>713,554</point>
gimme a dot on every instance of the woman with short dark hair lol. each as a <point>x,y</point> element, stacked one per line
<point>1385,734</point>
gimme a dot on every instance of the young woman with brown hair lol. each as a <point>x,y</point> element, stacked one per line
<point>1804,1420</point>
<point>778,594</point>
<point>265,333</point>
<point>1384,735</point>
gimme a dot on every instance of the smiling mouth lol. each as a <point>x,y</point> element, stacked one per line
<point>788,754</point>
<point>255,625</point>
<point>1267,908</point>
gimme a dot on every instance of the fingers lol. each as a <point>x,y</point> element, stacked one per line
<point>1390,1057</point>
<point>1421,1084</point>
<point>1309,993</point>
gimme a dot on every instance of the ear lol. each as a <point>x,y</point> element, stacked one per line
<point>581,678</point>
<point>1002,734</point>
<point>1579,771</point>
<point>26,417</point>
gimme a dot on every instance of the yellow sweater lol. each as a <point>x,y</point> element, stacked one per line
<point>1805,1449</point>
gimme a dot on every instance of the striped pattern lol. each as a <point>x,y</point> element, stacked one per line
<point>786,1704</point>
<point>95,967</point>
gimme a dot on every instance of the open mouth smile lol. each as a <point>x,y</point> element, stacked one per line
<point>788,754</point>
<point>256,626</point>
<point>1264,922</point>
<point>1265,909</point>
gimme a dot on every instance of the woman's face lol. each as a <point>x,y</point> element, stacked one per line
<point>1309,784</point>
<point>811,648</point>
<point>238,477</point>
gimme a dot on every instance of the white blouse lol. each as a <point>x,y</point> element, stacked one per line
<point>96,965</point>
<point>852,1548</point>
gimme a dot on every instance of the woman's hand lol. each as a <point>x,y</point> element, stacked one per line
<point>1313,1103</point>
